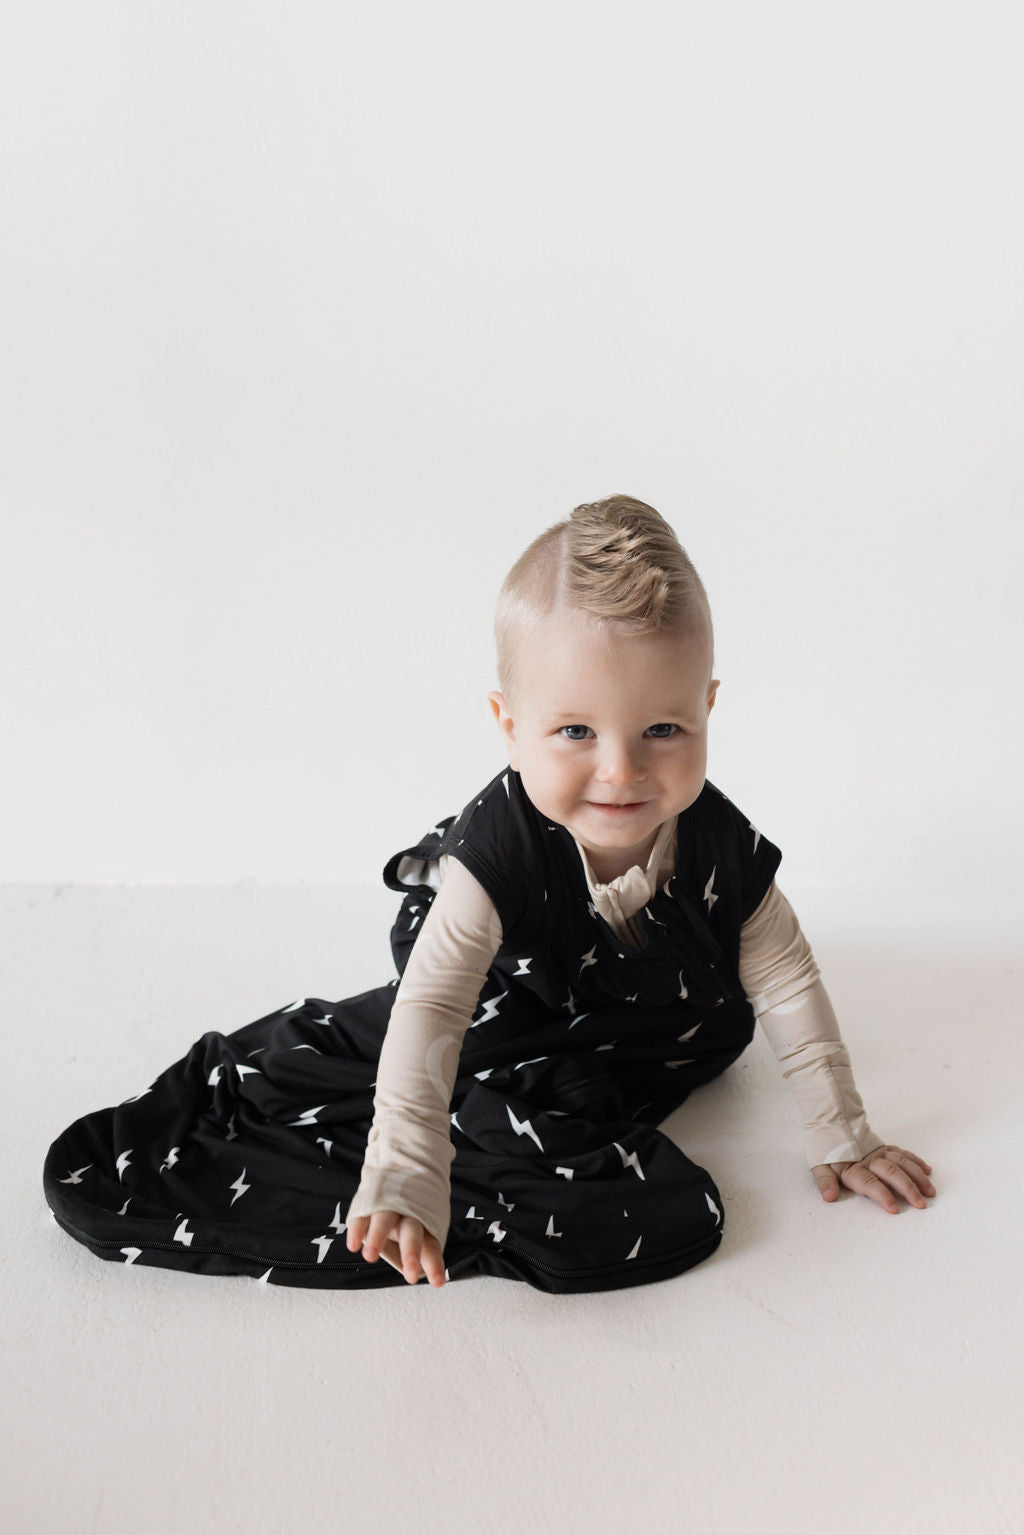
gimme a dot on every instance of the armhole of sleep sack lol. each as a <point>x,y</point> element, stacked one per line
<point>765,864</point>
<point>492,883</point>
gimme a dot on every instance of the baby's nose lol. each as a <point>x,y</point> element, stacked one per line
<point>621,765</point>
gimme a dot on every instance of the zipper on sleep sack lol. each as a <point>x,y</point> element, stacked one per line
<point>220,1252</point>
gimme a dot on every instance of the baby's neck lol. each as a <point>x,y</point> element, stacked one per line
<point>609,865</point>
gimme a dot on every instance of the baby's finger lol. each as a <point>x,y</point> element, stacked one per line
<point>863,1181</point>
<point>410,1240</point>
<point>913,1181</point>
<point>382,1225</point>
<point>355,1231</point>
<point>432,1259</point>
<point>910,1156</point>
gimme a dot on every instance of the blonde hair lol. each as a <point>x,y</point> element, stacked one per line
<point>614,563</point>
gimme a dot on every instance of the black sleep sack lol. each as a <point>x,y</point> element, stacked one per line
<point>243,1156</point>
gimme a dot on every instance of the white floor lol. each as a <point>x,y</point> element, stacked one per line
<point>830,1368</point>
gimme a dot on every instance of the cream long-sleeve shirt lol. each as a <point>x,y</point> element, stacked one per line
<point>409,1151</point>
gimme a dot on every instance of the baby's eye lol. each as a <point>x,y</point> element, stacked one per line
<point>672,729</point>
<point>574,727</point>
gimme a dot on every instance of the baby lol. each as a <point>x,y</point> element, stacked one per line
<point>589,940</point>
<point>605,659</point>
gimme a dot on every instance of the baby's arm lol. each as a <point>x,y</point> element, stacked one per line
<point>401,1209</point>
<point>784,987</point>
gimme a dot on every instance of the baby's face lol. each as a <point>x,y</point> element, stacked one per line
<point>603,721</point>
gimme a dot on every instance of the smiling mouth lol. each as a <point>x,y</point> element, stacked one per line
<point>636,804</point>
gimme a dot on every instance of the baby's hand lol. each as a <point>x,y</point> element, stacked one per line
<point>401,1241</point>
<point>877,1176</point>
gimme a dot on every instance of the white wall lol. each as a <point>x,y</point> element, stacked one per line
<point>313,315</point>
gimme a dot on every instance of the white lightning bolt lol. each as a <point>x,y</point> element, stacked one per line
<point>248,1071</point>
<point>125,1205</point>
<point>122,1163</point>
<point>76,1177</point>
<point>131,1253</point>
<point>308,1116</point>
<point>524,966</point>
<point>635,1250</point>
<point>471,1214</point>
<point>713,1208</point>
<point>171,1158</point>
<point>214,1076</point>
<point>293,1005</point>
<point>482,1076</point>
<point>579,1019</point>
<point>324,1243</point>
<point>524,1127</point>
<point>183,1234</point>
<point>708,895</point>
<point>588,959</point>
<point>503,1201</point>
<point>490,1010</point>
<point>508,791</point>
<point>551,1232</point>
<point>415,919</point>
<point>264,1277</point>
<point>325,1020</point>
<point>336,1223</point>
<point>682,984</point>
<point>564,1172</point>
<point>757,834</point>
<point>531,1062</point>
<point>495,1231</point>
<point>630,1159</point>
<point>241,1185</point>
<point>455,1122</point>
<point>690,1032</point>
<point>325,1144</point>
<point>232,1133</point>
<point>308,1047</point>
<point>136,1096</point>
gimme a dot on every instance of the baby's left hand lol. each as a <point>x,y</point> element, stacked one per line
<point>887,1171</point>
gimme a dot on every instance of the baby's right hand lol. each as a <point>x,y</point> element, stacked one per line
<point>401,1241</point>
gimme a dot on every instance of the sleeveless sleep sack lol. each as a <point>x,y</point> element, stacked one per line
<point>243,1156</point>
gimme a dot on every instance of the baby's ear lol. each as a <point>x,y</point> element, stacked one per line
<point>506,724</point>
<point>712,693</point>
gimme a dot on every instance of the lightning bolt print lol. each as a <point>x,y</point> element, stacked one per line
<point>122,1163</point>
<point>76,1177</point>
<point>551,1232</point>
<point>716,1212</point>
<point>629,1159</point>
<point>589,958</point>
<point>308,1116</point>
<point>183,1235</point>
<point>524,966</point>
<point>709,896</point>
<point>490,1010</point>
<point>524,1127</point>
<point>240,1185</point>
<point>324,1243</point>
<point>497,1232</point>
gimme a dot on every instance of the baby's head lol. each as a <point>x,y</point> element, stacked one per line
<point>615,565</point>
<point>605,654</point>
